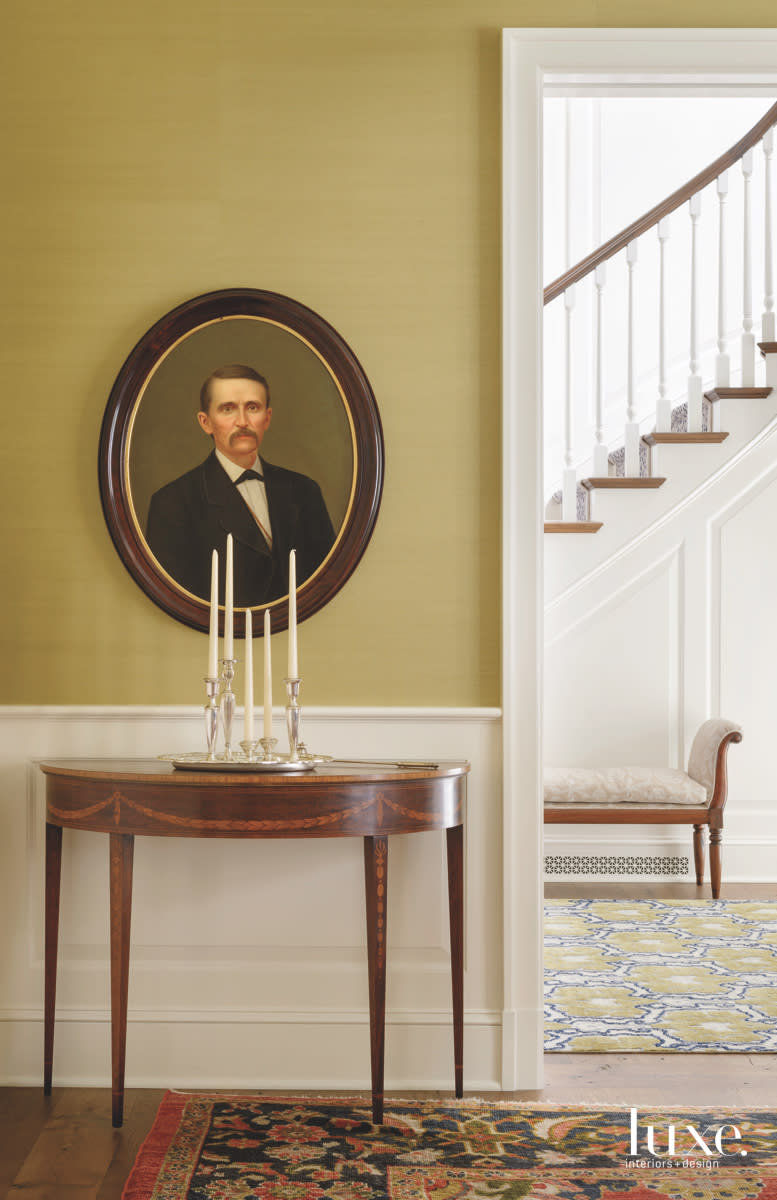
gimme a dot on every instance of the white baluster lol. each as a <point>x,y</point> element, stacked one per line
<point>694,378</point>
<point>722,363</point>
<point>663,406</point>
<point>569,474</point>
<point>601,464</point>
<point>631,441</point>
<point>767,321</point>
<point>748,337</point>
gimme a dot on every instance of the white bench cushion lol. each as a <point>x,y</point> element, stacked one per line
<point>622,785</point>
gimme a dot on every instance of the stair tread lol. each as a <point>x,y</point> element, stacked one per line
<point>738,393</point>
<point>767,348</point>
<point>679,439</point>
<point>623,481</point>
<point>573,526</point>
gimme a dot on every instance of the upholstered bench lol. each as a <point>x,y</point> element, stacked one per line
<point>652,795</point>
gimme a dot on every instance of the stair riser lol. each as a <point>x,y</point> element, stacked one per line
<point>741,417</point>
<point>634,508</point>
<point>695,462</point>
<point>771,370</point>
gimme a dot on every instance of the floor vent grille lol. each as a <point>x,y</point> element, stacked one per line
<point>616,864</point>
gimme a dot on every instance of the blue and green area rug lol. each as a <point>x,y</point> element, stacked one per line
<point>661,975</point>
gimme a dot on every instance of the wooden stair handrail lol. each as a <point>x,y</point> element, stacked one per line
<point>663,209</point>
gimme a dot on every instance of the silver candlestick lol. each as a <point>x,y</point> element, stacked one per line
<point>268,745</point>
<point>293,716</point>
<point>227,704</point>
<point>248,746</point>
<point>212,715</point>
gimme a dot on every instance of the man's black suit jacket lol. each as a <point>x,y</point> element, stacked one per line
<point>191,517</point>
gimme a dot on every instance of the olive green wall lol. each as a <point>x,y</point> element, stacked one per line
<point>345,153</point>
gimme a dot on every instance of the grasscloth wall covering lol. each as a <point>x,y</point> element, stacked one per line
<point>345,153</point>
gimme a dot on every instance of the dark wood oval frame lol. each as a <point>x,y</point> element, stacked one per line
<point>359,523</point>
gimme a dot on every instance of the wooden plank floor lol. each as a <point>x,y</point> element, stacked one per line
<point>62,1147</point>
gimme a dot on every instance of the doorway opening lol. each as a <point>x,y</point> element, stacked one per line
<point>733,60</point>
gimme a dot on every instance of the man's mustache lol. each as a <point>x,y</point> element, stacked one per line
<point>241,433</point>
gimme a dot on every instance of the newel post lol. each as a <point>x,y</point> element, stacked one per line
<point>601,462</point>
<point>569,477</point>
<point>748,337</point>
<point>767,320</point>
<point>722,363</point>
<point>663,404</point>
<point>631,457</point>
<point>694,378</point>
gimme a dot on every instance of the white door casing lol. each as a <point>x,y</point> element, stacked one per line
<point>698,60</point>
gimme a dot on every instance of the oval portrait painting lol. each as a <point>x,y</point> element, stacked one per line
<point>241,412</point>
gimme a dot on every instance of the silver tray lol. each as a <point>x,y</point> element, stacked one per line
<point>196,761</point>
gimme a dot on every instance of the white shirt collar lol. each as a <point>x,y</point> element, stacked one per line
<point>233,470</point>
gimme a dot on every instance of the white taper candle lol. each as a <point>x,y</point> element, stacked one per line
<point>267,676</point>
<point>292,671</point>
<point>248,722</point>
<point>213,628</point>
<point>229,604</point>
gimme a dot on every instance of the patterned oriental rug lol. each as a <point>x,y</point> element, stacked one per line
<point>661,975</point>
<point>219,1147</point>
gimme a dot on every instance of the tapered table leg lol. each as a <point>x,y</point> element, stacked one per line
<point>53,877</point>
<point>122,846</point>
<point>375,867</point>
<point>455,843</point>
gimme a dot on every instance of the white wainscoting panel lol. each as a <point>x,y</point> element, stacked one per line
<point>618,647</point>
<point>675,628</point>
<point>248,961</point>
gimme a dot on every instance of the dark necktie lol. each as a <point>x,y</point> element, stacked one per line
<point>249,475</point>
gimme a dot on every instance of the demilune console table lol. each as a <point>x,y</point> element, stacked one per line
<point>125,798</point>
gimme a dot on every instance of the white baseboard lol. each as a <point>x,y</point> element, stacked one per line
<point>313,1050</point>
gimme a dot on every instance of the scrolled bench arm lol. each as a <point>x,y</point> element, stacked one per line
<point>707,759</point>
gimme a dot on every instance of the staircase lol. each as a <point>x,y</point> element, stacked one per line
<point>659,574</point>
<point>618,492</point>
<point>681,469</point>
<point>653,459</point>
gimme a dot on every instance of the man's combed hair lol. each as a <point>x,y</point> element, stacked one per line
<point>233,371</point>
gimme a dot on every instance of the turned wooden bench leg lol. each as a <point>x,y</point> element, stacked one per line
<point>698,853</point>
<point>715,862</point>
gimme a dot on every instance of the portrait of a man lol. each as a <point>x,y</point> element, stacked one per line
<point>268,508</point>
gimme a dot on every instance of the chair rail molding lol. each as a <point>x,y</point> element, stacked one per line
<point>621,60</point>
